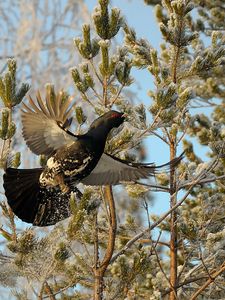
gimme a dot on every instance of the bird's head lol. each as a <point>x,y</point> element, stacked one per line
<point>109,120</point>
<point>101,127</point>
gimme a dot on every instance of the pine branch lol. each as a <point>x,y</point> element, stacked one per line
<point>195,182</point>
<point>185,282</point>
<point>213,276</point>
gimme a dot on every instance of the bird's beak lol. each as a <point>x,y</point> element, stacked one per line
<point>125,115</point>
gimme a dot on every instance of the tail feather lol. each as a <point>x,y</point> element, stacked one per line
<point>21,190</point>
<point>33,203</point>
<point>173,163</point>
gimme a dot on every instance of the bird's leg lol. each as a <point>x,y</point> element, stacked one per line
<point>59,178</point>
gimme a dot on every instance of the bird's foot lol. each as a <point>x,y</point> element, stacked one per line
<point>60,180</point>
<point>64,188</point>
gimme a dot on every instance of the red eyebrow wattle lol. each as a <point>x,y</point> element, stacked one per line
<point>115,115</point>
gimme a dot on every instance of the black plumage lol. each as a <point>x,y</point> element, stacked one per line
<point>41,196</point>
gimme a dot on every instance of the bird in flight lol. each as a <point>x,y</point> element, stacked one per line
<point>42,195</point>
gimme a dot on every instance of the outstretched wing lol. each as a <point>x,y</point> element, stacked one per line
<point>111,170</point>
<point>45,126</point>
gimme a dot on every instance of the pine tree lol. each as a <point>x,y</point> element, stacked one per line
<point>102,252</point>
<point>38,35</point>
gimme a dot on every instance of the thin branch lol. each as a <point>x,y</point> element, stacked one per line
<point>184,264</point>
<point>164,216</point>
<point>117,95</point>
<point>86,249</point>
<point>48,291</point>
<point>159,188</point>
<point>105,204</point>
<point>198,267</point>
<point>155,251</point>
<point>213,276</point>
<point>164,129</point>
<point>185,282</point>
<point>203,263</point>
<point>96,73</point>
<point>105,88</point>
<point>96,94</point>
<point>159,136</point>
<point>156,242</point>
<point>96,246</point>
<point>155,119</point>
<point>206,180</point>
<point>112,228</point>
<point>99,271</point>
<point>61,290</point>
<point>146,241</point>
<point>183,134</point>
<point>149,130</point>
<point>86,99</point>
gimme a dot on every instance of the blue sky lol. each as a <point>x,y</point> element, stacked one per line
<point>142,18</point>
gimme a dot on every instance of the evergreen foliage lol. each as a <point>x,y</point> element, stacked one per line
<point>108,248</point>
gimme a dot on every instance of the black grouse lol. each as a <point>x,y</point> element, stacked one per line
<point>42,195</point>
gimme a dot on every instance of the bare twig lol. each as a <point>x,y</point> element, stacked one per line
<point>146,241</point>
<point>96,94</point>
<point>158,188</point>
<point>183,134</point>
<point>159,136</point>
<point>117,95</point>
<point>184,265</point>
<point>96,73</point>
<point>86,99</point>
<point>60,291</point>
<point>205,180</point>
<point>185,282</point>
<point>96,255</point>
<point>105,204</point>
<point>105,88</point>
<point>212,277</point>
<point>48,291</point>
<point>203,263</point>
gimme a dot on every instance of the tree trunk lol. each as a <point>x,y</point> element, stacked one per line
<point>173,227</point>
